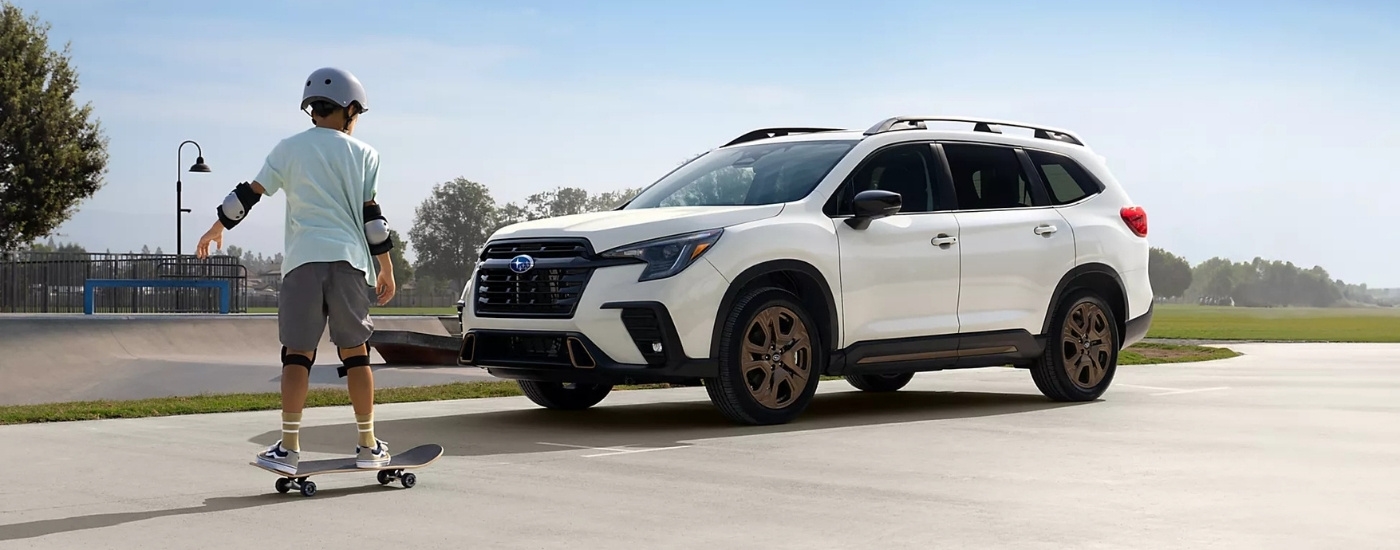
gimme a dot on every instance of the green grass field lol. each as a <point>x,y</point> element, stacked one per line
<point>1295,324</point>
<point>1145,353</point>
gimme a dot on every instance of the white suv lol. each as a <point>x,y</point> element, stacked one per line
<point>789,254</point>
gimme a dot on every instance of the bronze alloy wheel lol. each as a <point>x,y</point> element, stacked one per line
<point>1085,341</point>
<point>777,357</point>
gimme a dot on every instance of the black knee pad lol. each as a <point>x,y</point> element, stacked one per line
<point>298,359</point>
<point>352,362</point>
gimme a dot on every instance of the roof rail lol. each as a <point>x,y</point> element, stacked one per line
<point>765,133</point>
<point>982,125</point>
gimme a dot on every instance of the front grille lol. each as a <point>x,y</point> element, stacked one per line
<point>550,290</point>
<point>645,329</point>
<point>536,293</point>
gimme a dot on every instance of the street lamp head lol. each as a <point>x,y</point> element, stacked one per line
<point>199,166</point>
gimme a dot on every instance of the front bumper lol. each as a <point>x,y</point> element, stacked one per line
<point>571,356</point>
<point>591,321</point>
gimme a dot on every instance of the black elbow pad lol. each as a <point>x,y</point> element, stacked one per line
<point>237,204</point>
<point>377,230</point>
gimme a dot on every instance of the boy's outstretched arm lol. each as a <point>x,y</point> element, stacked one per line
<point>235,207</point>
<point>377,234</point>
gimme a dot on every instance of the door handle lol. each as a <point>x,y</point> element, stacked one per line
<point>944,240</point>
<point>1045,229</point>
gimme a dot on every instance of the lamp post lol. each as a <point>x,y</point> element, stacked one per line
<point>198,166</point>
<point>180,210</point>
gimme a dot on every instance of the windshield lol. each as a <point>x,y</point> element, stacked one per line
<point>750,175</point>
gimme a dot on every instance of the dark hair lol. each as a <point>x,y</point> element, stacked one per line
<point>322,108</point>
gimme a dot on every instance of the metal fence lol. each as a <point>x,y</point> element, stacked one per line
<point>52,282</point>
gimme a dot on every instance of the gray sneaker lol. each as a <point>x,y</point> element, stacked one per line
<point>372,457</point>
<point>280,459</point>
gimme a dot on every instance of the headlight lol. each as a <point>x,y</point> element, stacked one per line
<point>667,256</point>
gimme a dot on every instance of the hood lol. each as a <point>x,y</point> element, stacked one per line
<point>614,228</point>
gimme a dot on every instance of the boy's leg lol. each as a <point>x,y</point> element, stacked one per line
<point>301,320</point>
<point>348,302</point>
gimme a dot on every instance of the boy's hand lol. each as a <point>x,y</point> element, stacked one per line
<point>215,234</point>
<point>385,287</point>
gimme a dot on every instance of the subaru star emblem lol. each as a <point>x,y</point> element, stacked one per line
<point>521,263</point>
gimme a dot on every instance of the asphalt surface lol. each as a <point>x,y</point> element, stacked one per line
<point>57,358</point>
<point>1289,446</point>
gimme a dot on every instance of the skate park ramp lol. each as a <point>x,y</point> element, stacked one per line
<point>53,358</point>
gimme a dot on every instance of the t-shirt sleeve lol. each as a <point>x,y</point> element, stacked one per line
<point>271,174</point>
<point>371,177</point>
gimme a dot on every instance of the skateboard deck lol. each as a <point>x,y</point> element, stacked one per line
<point>416,457</point>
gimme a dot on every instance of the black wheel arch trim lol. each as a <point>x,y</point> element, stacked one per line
<point>726,303</point>
<point>1078,271</point>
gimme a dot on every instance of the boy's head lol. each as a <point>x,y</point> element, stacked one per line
<point>335,98</point>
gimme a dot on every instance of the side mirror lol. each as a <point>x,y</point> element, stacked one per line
<point>871,204</point>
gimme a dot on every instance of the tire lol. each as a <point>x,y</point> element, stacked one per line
<point>879,382</point>
<point>572,397</point>
<point>739,390</point>
<point>1074,368</point>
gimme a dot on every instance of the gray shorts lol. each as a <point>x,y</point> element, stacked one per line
<point>313,294</point>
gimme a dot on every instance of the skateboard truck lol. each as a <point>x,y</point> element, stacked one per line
<point>285,484</point>
<point>407,479</point>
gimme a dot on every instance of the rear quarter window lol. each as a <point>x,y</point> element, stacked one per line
<point>1064,178</point>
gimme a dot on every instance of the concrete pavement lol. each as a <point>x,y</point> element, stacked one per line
<point>1289,446</point>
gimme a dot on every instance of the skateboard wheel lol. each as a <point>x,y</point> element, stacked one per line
<point>308,488</point>
<point>385,477</point>
<point>408,480</point>
<point>283,485</point>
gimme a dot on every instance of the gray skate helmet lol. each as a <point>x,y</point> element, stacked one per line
<point>336,86</point>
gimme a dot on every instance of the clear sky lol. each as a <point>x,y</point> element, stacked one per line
<point>1245,128</point>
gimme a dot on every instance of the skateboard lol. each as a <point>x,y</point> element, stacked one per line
<point>416,457</point>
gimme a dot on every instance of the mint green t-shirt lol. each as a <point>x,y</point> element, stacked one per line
<point>328,176</point>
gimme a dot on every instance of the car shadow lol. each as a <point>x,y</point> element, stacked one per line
<point>657,424</point>
<point>33,529</point>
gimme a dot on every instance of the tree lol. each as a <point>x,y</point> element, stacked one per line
<point>563,201</point>
<point>403,272</point>
<point>1169,273</point>
<point>1265,283</point>
<point>51,155</point>
<point>450,227</point>
<point>610,200</point>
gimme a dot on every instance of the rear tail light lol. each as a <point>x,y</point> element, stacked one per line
<point>1136,219</point>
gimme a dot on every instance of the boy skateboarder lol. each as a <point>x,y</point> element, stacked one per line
<point>333,228</point>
